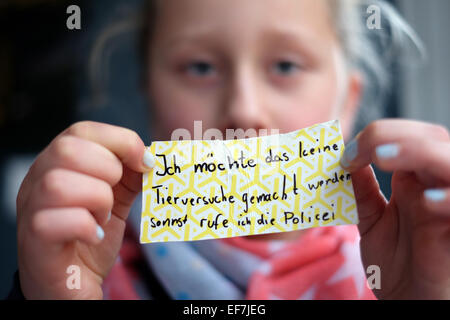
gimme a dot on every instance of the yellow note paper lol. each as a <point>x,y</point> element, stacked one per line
<point>227,188</point>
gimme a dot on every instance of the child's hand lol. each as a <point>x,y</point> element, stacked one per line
<point>408,237</point>
<point>88,171</point>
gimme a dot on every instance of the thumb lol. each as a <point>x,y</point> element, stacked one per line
<point>370,201</point>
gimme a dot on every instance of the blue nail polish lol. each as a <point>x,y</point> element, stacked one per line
<point>344,162</point>
<point>350,153</point>
<point>387,151</point>
<point>435,195</point>
<point>148,159</point>
<point>100,233</point>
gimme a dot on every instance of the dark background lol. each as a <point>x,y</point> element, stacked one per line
<point>45,87</point>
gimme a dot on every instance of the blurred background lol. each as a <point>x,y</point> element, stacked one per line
<point>46,83</point>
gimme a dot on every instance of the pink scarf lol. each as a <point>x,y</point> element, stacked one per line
<point>324,263</point>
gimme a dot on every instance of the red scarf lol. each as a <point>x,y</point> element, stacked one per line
<point>324,263</point>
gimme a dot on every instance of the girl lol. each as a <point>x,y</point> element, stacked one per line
<point>273,64</point>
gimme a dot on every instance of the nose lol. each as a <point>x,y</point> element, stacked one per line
<point>243,103</point>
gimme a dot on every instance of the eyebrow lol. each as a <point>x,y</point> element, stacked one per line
<point>296,37</point>
<point>188,35</point>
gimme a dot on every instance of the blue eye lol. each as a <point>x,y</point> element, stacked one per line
<point>200,68</point>
<point>285,67</point>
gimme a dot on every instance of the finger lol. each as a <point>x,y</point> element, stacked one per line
<point>358,153</point>
<point>370,201</point>
<point>64,188</point>
<point>59,225</point>
<point>84,156</point>
<point>437,200</point>
<point>431,157</point>
<point>125,192</point>
<point>123,142</point>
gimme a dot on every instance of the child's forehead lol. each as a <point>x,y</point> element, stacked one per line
<point>191,19</point>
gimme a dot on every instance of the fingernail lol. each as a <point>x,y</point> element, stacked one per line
<point>109,217</point>
<point>387,151</point>
<point>100,233</point>
<point>350,153</point>
<point>148,159</point>
<point>435,195</point>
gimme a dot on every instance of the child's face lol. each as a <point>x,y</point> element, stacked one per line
<point>273,64</point>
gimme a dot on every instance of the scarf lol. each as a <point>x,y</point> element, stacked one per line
<point>323,263</point>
